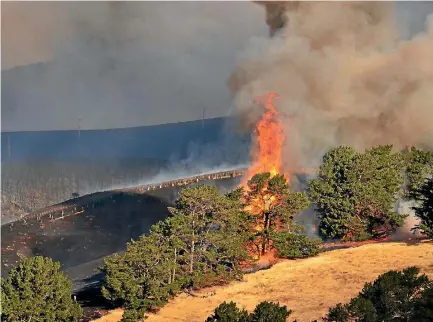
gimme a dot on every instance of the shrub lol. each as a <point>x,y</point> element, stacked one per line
<point>268,311</point>
<point>264,312</point>
<point>393,296</point>
<point>228,312</point>
<point>293,246</point>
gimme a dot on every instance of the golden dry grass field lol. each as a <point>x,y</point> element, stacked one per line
<point>308,286</point>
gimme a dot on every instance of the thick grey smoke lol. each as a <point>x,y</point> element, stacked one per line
<point>344,76</point>
<point>119,64</point>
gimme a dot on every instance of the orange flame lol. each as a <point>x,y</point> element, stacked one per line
<point>266,157</point>
<point>269,140</point>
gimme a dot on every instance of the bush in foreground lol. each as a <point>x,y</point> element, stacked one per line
<point>268,311</point>
<point>36,290</point>
<point>228,312</point>
<point>393,296</point>
<point>264,312</point>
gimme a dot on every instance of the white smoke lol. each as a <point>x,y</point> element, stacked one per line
<point>343,77</point>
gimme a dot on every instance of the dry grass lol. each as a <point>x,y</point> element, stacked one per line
<point>309,286</point>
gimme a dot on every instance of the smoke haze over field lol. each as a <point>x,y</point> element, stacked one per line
<point>121,64</point>
<point>344,76</point>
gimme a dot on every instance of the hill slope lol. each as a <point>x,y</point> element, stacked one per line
<point>308,286</point>
<point>171,141</point>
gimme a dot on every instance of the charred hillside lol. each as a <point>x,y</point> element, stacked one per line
<point>81,232</point>
<point>46,167</point>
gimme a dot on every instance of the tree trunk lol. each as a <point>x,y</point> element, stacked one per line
<point>265,232</point>
<point>175,262</point>
<point>191,264</point>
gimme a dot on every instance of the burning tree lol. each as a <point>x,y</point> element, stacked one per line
<point>273,207</point>
<point>266,193</point>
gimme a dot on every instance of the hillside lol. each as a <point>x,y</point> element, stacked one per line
<point>40,168</point>
<point>172,141</point>
<point>308,286</point>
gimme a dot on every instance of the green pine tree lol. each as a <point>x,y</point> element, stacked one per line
<point>424,210</point>
<point>213,230</point>
<point>201,243</point>
<point>355,193</point>
<point>419,166</point>
<point>36,290</point>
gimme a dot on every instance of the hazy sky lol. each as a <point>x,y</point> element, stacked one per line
<point>117,64</point>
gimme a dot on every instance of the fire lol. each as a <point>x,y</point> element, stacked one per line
<point>269,140</point>
<point>266,157</point>
<point>268,259</point>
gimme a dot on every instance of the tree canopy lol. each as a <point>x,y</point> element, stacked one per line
<point>36,290</point>
<point>264,312</point>
<point>424,210</point>
<point>355,193</point>
<point>201,243</point>
<point>419,166</point>
<point>228,312</point>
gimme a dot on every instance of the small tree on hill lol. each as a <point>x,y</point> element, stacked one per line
<point>424,211</point>
<point>36,290</point>
<point>393,296</point>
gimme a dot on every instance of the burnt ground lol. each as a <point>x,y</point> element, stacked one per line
<point>79,241</point>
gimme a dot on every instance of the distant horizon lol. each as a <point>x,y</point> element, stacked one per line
<point>116,128</point>
<point>194,141</point>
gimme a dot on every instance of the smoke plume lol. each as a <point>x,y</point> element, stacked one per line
<point>108,64</point>
<point>344,76</point>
